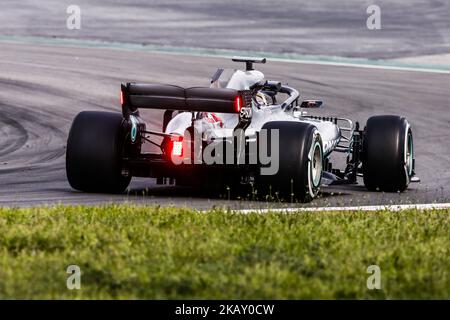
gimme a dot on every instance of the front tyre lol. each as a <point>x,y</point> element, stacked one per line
<point>388,154</point>
<point>300,150</point>
<point>95,152</point>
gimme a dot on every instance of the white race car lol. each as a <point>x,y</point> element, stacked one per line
<point>241,130</point>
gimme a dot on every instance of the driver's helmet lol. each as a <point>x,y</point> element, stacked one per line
<point>260,99</point>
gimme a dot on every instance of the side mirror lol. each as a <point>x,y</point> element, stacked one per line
<point>311,104</point>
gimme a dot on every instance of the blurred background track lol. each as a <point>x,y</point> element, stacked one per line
<point>313,27</point>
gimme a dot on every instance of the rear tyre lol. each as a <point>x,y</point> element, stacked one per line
<point>299,174</point>
<point>388,154</point>
<point>95,152</point>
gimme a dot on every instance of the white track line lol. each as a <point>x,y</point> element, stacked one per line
<point>224,53</point>
<point>399,207</point>
<point>380,66</point>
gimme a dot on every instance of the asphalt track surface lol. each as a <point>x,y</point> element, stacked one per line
<point>42,88</point>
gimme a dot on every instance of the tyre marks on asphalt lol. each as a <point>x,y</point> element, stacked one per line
<point>31,137</point>
<point>12,134</point>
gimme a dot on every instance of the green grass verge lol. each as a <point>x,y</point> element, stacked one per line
<point>149,252</point>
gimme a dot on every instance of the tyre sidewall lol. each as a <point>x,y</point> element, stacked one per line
<point>293,180</point>
<point>94,153</point>
<point>384,153</point>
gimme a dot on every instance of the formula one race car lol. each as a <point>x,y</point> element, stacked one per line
<point>241,130</point>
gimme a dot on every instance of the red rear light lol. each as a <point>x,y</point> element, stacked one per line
<point>173,147</point>
<point>177,148</point>
<point>238,104</point>
<point>122,100</point>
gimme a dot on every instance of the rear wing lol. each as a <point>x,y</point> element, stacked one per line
<point>169,97</point>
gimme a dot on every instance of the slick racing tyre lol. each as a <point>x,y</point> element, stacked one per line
<point>388,154</point>
<point>299,173</point>
<point>94,153</point>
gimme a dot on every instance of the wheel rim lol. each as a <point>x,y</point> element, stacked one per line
<point>316,165</point>
<point>409,153</point>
